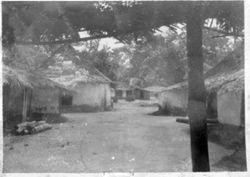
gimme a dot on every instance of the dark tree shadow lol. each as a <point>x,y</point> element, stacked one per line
<point>55,119</point>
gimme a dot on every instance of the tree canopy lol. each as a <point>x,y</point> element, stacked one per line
<point>60,22</point>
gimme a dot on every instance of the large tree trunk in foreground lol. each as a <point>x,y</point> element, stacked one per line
<point>196,92</point>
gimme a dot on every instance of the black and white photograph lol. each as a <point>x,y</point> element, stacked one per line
<point>106,87</point>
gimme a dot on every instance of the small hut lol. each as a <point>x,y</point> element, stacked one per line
<point>225,87</point>
<point>141,93</point>
<point>124,91</point>
<point>228,97</point>
<point>46,96</point>
<point>174,99</point>
<point>227,75</point>
<point>17,91</point>
<point>26,95</point>
<point>92,91</point>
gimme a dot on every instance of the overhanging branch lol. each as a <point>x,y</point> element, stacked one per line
<point>66,41</point>
<point>223,32</point>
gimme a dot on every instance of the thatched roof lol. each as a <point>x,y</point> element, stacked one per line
<point>72,80</point>
<point>71,75</point>
<point>22,78</point>
<point>226,82</point>
<point>234,61</point>
<point>228,75</point>
<point>15,77</point>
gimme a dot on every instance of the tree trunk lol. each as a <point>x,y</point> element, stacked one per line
<point>196,92</point>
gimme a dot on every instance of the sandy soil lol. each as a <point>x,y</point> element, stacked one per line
<point>124,140</point>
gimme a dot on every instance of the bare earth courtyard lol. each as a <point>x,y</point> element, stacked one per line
<point>124,140</point>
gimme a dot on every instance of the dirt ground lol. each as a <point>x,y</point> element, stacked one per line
<point>124,140</point>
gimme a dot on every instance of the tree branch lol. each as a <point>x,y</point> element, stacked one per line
<point>224,35</point>
<point>65,41</point>
<point>223,32</point>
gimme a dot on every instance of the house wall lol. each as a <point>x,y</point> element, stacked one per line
<point>229,108</point>
<point>211,104</point>
<point>174,98</point>
<point>46,100</point>
<point>13,104</point>
<point>92,97</point>
<point>108,96</point>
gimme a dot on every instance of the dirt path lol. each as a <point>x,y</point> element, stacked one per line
<point>124,140</point>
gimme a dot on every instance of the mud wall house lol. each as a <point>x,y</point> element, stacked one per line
<point>27,95</point>
<point>229,91</point>
<point>174,99</point>
<point>225,89</point>
<point>46,97</point>
<point>226,83</point>
<point>121,93</point>
<point>17,91</point>
<point>92,92</point>
<point>124,91</point>
<point>141,94</point>
<point>92,96</point>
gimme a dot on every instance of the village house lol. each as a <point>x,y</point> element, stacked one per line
<point>124,91</point>
<point>131,93</point>
<point>141,93</point>
<point>92,89</point>
<point>28,96</point>
<point>46,97</point>
<point>225,89</point>
<point>174,99</point>
<point>16,95</point>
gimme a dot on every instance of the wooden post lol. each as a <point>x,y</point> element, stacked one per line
<point>242,110</point>
<point>30,102</point>
<point>196,92</point>
<point>25,105</point>
<point>6,103</point>
<point>105,99</point>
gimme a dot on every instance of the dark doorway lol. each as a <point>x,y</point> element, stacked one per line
<point>212,105</point>
<point>66,100</point>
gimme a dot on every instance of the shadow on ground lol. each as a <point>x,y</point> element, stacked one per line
<point>233,162</point>
<point>230,137</point>
<point>56,119</point>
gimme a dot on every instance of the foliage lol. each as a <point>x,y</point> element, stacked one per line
<point>163,61</point>
<point>101,59</point>
<point>159,62</point>
<point>52,22</point>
